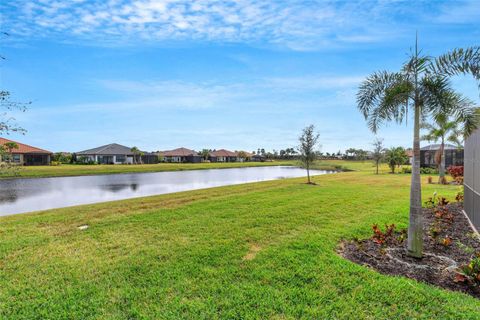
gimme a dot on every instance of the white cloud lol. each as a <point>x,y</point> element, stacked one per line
<point>296,24</point>
<point>460,12</point>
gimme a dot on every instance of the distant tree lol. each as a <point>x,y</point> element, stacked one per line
<point>10,146</point>
<point>135,152</point>
<point>7,151</point>
<point>442,129</point>
<point>308,141</point>
<point>242,155</point>
<point>205,153</point>
<point>395,157</point>
<point>378,152</point>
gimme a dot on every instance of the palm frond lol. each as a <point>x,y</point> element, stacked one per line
<point>383,96</point>
<point>459,62</point>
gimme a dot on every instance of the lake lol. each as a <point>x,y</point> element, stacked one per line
<point>25,195</point>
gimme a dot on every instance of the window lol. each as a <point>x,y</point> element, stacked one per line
<point>121,158</point>
<point>16,158</point>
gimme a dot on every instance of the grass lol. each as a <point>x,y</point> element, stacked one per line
<point>65,170</point>
<point>254,251</point>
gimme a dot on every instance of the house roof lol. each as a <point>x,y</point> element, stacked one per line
<point>409,152</point>
<point>258,156</point>
<point>223,153</point>
<point>109,150</point>
<point>180,152</point>
<point>24,148</point>
<point>437,146</point>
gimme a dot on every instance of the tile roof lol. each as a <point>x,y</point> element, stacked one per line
<point>110,150</point>
<point>180,152</point>
<point>24,148</point>
<point>223,153</point>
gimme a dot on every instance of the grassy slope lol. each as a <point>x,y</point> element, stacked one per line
<point>264,250</point>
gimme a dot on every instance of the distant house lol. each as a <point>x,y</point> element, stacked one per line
<point>453,155</point>
<point>26,155</point>
<point>409,153</point>
<point>181,155</point>
<point>115,154</point>
<point>223,155</point>
<point>258,158</point>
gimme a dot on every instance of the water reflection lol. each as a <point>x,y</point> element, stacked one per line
<point>24,195</point>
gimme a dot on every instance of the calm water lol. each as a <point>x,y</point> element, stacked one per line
<point>24,195</point>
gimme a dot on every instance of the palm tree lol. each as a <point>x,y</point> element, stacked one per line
<point>395,157</point>
<point>205,153</point>
<point>388,96</point>
<point>442,129</point>
<point>135,152</point>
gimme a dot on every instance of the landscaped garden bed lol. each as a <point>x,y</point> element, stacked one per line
<point>451,250</point>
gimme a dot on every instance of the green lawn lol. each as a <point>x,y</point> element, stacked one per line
<point>253,251</point>
<point>81,170</point>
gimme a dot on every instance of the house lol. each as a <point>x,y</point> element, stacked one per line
<point>115,154</point>
<point>409,153</point>
<point>453,156</point>
<point>471,183</point>
<point>181,155</point>
<point>26,155</point>
<point>257,158</point>
<point>223,155</point>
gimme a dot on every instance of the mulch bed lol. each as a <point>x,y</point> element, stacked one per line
<point>440,262</point>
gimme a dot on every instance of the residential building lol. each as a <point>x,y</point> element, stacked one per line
<point>115,154</point>
<point>453,156</point>
<point>25,154</point>
<point>223,155</point>
<point>258,158</point>
<point>181,155</point>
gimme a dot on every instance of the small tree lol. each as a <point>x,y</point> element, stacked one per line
<point>242,156</point>
<point>395,157</point>
<point>308,141</point>
<point>378,152</point>
<point>205,153</point>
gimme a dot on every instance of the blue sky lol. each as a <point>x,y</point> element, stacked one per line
<point>240,74</point>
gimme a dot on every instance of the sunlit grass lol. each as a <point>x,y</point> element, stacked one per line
<point>252,251</point>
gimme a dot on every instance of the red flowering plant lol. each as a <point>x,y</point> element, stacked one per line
<point>457,173</point>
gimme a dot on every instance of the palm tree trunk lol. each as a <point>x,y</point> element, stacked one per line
<point>415,227</point>
<point>441,168</point>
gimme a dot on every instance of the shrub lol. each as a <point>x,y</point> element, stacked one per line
<point>55,163</point>
<point>455,171</point>
<point>435,230</point>
<point>406,170</point>
<point>470,273</point>
<point>459,197</point>
<point>428,170</point>
<point>381,237</point>
<point>446,242</point>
